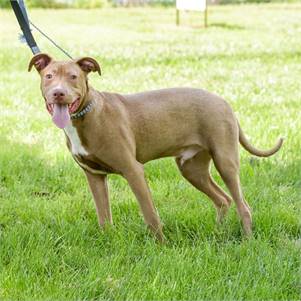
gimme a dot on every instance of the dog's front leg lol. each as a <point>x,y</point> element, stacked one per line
<point>99,189</point>
<point>136,179</point>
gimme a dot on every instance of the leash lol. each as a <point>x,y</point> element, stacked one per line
<point>19,9</point>
<point>21,15</point>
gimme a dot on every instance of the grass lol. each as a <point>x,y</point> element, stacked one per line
<point>50,244</point>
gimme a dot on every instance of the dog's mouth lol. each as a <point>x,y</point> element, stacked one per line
<point>61,112</point>
<point>72,107</point>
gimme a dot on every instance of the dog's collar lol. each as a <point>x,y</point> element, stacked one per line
<point>83,112</point>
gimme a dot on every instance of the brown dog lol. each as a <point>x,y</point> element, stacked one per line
<point>112,133</point>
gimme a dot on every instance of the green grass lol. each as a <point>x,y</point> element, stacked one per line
<point>50,244</point>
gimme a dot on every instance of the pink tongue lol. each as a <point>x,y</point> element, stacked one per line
<point>61,115</point>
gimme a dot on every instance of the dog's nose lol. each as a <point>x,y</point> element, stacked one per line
<point>59,94</point>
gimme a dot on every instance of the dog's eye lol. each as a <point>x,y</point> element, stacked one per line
<point>48,76</point>
<point>73,76</point>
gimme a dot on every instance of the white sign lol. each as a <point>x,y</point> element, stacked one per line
<point>198,5</point>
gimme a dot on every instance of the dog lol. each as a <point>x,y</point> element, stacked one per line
<point>113,133</point>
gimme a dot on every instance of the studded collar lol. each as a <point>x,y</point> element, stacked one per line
<point>83,112</point>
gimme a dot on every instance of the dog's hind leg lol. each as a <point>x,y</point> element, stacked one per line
<point>196,171</point>
<point>227,163</point>
<point>221,191</point>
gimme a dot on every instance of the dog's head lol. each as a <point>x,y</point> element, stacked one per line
<point>63,84</point>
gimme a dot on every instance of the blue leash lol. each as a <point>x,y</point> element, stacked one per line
<point>23,20</point>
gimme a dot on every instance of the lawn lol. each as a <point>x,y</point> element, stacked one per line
<point>50,245</point>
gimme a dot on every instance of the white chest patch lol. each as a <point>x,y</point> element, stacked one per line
<point>76,145</point>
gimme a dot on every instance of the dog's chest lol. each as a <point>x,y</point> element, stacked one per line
<point>76,147</point>
<point>81,155</point>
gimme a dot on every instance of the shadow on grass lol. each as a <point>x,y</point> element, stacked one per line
<point>227,26</point>
<point>24,172</point>
<point>179,59</point>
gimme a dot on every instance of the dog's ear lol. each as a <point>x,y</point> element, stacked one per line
<point>40,61</point>
<point>88,64</point>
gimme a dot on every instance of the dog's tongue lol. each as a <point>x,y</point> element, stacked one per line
<point>61,116</point>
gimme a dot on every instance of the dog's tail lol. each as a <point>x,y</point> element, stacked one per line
<point>253,150</point>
